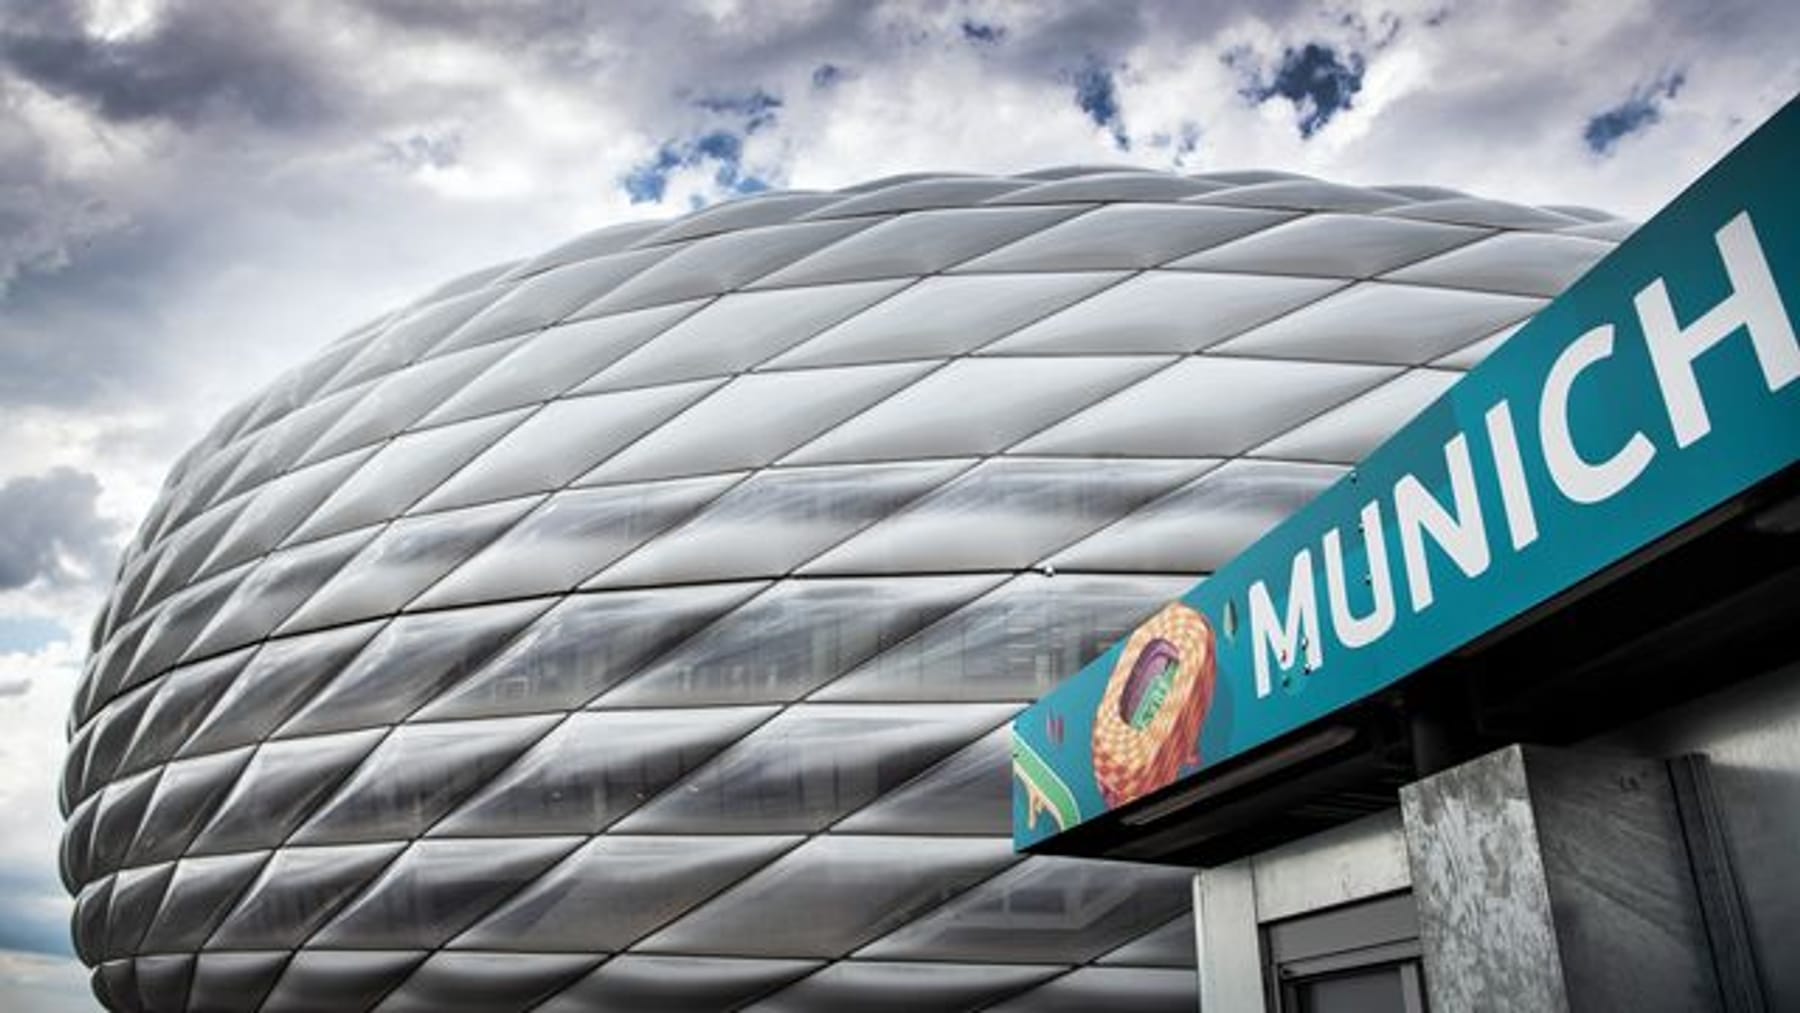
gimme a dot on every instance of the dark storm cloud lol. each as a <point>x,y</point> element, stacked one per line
<point>1316,78</point>
<point>50,529</point>
<point>1640,111</point>
<point>194,62</point>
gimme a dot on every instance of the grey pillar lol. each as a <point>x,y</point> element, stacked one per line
<point>1554,881</point>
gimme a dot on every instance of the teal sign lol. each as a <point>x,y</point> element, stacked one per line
<point>1663,383</point>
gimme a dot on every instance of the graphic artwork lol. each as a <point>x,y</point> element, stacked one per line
<point>1147,728</point>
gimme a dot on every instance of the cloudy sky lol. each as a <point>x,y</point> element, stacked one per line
<point>194,195</point>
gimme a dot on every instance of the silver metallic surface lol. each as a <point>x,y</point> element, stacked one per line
<point>713,555</point>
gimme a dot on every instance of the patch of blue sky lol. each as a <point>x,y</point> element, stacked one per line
<point>1316,78</point>
<point>1097,95</point>
<point>1637,113</point>
<point>26,634</point>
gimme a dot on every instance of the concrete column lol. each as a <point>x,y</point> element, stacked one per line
<point>1555,881</point>
<point>1228,944</point>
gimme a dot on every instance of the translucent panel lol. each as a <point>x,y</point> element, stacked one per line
<point>792,639</point>
<point>182,699</point>
<point>721,263</point>
<point>233,982</point>
<point>1005,514</point>
<point>1164,311</point>
<point>767,414</point>
<point>812,764</point>
<point>136,894</point>
<point>344,982</point>
<point>179,558</point>
<point>740,330</point>
<point>564,439</point>
<point>1114,989</point>
<point>1204,526</point>
<point>1379,322</point>
<point>1343,246</point>
<point>944,316</point>
<point>163,981</point>
<point>199,894</point>
<point>278,679</point>
<point>110,667</point>
<point>1066,910</point>
<point>1015,644</point>
<point>114,727</point>
<point>1491,213</point>
<point>410,336</point>
<point>582,647</point>
<point>403,470</point>
<point>401,399</point>
<point>1210,405</point>
<point>484,982</point>
<point>921,243</point>
<point>415,658</point>
<point>1108,186</point>
<point>185,798</point>
<point>1610,232</point>
<point>406,558</point>
<point>1304,195</point>
<point>121,811</point>
<point>88,922</point>
<point>970,792</point>
<point>275,587</point>
<point>872,987</point>
<point>295,389</point>
<point>555,360</point>
<point>115,983</point>
<point>617,889</point>
<point>570,536</point>
<point>278,447</point>
<point>777,520</point>
<point>546,298</point>
<point>419,772</point>
<point>1525,262</point>
<point>598,243</point>
<point>1170,946</point>
<point>1349,432</point>
<point>832,894</point>
<point>77,845</point>
<point>1471,355</point>
<point>280,506</point>
<point>635,983</point>
<point>298,890</point>
<point>972,406</point>
<point>437,888</point>
<point>282,784</point>
<point>920,193</point>
<point>177,622</point>
<point>597,766</point>
<point>762,209</point>
<point>1125,235</point>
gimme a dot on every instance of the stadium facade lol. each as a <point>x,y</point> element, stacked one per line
<point>638,626</point>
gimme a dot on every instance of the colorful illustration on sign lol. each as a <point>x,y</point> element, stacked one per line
<point>1147,727</point>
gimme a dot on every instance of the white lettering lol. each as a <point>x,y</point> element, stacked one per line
<point>1580,480</point>
<point>1463,537</point>
<point>1754,304</point>
<point>1351,630</point>
<point>1515,495</point>
<point>1287,640</point>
